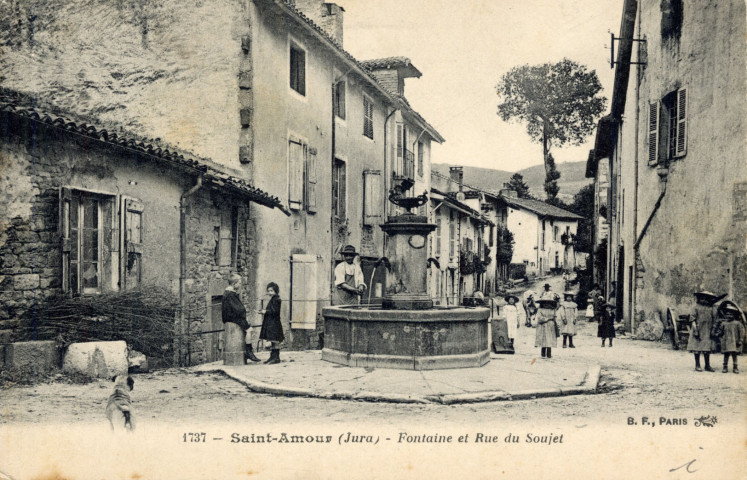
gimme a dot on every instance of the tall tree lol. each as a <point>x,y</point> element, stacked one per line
<point>517,184</point>
<point>583,204</point>
<point>559,102</point>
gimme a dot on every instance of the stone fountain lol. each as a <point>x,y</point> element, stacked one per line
<point>407,332</point>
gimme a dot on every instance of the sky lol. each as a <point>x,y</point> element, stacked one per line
<point>463,47</point>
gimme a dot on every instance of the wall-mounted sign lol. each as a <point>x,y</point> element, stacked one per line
<point>416,241</point>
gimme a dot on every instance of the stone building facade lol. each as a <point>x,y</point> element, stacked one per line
<point>262,88</point>
<point>678,173</point>
<point>86,211</point>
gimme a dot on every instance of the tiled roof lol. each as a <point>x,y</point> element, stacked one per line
<point>540,208</point>
<point>389,62</point>
<point>403,63</point>
<point>450,197</point>
<point>290,6</point>
<point>19,105</point>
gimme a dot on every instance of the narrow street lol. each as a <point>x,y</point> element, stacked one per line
<point>637,377</point>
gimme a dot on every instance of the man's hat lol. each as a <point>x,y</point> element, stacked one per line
<point>516,299</point>
<point>348,250</point>
<point>547,285</point>
<point>547,303</point>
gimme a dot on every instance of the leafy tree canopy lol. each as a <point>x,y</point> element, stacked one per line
<point>559,103</point>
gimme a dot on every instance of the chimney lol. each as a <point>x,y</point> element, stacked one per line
<point>332,21</point>
<point>507,192</point>
<point>457,175</point>
<point>328,16</point>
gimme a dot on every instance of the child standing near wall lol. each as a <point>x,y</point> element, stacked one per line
<point>731,332</point>
<point>700,340</point>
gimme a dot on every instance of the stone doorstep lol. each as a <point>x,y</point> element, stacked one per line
<point>588,386</point>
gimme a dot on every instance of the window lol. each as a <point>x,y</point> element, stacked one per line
<point>420,157</point>
<point>368,118</point>
<point>339,100</point>
<point>298,69</point>
<point>555,232</point>
<point>85,226</point>
<point>542,239</point>
<point>373,203</point>
<point>667,127</point>
<point>226,238</point>
<point>338,189</point>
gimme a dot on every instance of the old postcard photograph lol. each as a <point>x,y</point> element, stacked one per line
<point>422,239</point>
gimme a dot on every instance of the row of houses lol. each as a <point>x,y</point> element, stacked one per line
<point>170,145</point>
<point>669,161</point>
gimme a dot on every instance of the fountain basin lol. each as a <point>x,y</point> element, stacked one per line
<point>438,338</point>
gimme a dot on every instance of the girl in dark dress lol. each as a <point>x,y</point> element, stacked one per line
<point>272,329</point>
<point>606,328</point>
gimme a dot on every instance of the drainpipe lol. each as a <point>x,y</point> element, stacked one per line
<point>183,267</point>
<point>633,282</point>
<point>331,197</point>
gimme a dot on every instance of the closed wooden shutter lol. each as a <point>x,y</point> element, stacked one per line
<point>400,149</point>
<point>681,145</point>
<point>295,174</point>
<point>303,291</point>
<point>653,133</point>
<point>133,242</point>
<point>342,209</point>
<point>311,180</point>
<point>66,201</point>
<point>373,204</point>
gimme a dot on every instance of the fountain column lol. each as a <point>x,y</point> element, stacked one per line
<point>408,254</point>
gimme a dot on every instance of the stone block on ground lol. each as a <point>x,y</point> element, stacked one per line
<point>96,359</point>
<point>37,356</point>
<point>651,329</point>
<point>138,362</point>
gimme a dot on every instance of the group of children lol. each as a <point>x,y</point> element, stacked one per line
<point>552,317</point>
<point>725,327</point>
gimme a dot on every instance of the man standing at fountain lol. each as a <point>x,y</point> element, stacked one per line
<point>349,282</point>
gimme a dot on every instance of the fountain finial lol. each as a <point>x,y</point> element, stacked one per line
<point>398,196</point>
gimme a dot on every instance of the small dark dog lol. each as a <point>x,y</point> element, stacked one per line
<point>118,408</point>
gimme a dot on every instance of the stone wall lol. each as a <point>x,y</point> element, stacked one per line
<point>207,278</point>
<point>159,68</point>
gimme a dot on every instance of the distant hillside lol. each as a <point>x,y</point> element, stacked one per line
<point>572,178</point>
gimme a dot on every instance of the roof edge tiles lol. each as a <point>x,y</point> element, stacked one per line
<point>399,63</point>
<point>23,106</point>
<point>541,208</point>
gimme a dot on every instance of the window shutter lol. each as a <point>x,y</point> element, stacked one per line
<point>438,237</point>
<point>295,174</point>
<point>372,201</point>
<point>311,180</point>
<point>63,229</point>
<point>133,242</point>
<point>681,147</point>
<point>653,133</point>
<point>343,191</point>
<point>303,291</point>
